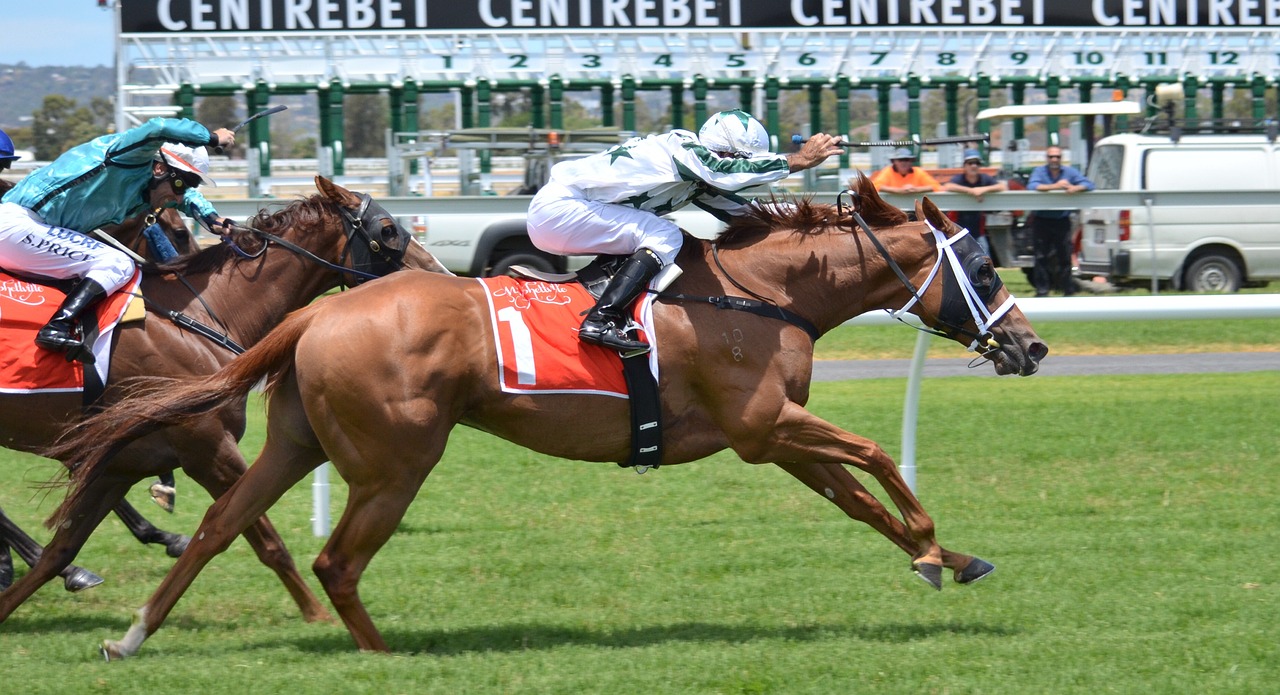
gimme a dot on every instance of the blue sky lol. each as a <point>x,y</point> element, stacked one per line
<point>57,32</point>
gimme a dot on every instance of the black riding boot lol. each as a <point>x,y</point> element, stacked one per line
<point>605,322</point>
<point>62,333</point>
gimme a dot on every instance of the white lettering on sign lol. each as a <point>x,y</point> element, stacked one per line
<point>551,14</point>
<point>238,15</point>
<point>1221,13</point>
<point>926,12</point>
<point>295,14</point>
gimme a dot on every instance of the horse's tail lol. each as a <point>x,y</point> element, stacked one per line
<point>157,402</point>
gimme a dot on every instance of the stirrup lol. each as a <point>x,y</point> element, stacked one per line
<point>612,337</point>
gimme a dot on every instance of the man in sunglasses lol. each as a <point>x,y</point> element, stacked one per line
<point>1051,229</point>
<point>44,219</point>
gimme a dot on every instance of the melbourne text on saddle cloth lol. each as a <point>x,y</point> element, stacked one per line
<point>24,308</point>
<point>535,334</point>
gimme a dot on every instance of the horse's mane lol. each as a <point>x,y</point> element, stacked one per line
<point>302,212</point>
<point>802,215</point>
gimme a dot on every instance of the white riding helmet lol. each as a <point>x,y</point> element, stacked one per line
<point>735,132</point>
<point>183,158</point>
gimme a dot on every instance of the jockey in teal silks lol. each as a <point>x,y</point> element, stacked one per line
<point>45,218</point>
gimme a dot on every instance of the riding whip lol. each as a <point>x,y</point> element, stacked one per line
<point>251,119</point>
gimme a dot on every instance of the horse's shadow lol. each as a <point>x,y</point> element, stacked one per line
<point>526,637</point>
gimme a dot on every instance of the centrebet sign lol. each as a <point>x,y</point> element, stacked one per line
<point>208,16</point>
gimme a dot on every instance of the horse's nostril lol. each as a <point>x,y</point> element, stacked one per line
<point>1037,351</point>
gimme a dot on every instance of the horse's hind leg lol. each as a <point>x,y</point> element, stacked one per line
<point>277,469</point>
<point>217,475</point>
<point>838,485</point>
<point>146,532</point>
<point>73,578</point>
<point>55,559</point>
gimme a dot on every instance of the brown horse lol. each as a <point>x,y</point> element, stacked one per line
<point>427,362</point>
<point>238,291</point>
<point>129,234</point>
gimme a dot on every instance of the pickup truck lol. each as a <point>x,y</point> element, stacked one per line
<point>482,244</point>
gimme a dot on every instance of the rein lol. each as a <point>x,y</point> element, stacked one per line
<point>983,340</point>
<point>369,213</point>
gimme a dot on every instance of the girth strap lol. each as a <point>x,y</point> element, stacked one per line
<point>646,414</point>
<point>751,306</point>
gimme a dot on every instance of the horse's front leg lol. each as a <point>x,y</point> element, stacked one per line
<point>835,483</point>
<point>799,437</point>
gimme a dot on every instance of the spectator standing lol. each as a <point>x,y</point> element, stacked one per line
<point>973,181</point>
<point>1051,229</point>
<point>903,176</point>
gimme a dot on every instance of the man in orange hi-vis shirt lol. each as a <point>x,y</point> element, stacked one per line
<point>903,176</point>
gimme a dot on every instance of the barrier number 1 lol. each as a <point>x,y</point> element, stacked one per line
<point>522,344</point>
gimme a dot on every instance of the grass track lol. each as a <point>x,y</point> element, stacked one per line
<point>1131,518</point>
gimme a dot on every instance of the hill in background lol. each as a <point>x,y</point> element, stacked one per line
<point>24,88</point>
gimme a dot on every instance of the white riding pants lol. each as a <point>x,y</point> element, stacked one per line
<point>562,221</point>
<point>28,245</point>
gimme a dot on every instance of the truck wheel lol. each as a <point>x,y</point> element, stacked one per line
<point>1213,273</point>
<point>529,259</point>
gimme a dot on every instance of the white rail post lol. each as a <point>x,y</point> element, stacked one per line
<point>910,411</point>
<point>320,501</point>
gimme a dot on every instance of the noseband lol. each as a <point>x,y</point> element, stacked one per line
<point>969,284</point>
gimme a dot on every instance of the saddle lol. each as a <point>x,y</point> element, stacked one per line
<point>26,304</point>
<point>642,386</point>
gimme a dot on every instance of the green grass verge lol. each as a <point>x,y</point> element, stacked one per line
<point>1132,520</point>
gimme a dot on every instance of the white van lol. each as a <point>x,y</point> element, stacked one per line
<point>1207,249</point>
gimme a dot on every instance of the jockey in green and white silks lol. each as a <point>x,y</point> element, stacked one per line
<point>613,202</point>
<point>45,217</point>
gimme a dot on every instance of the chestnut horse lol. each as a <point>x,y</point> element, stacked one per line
<point>128,233</point>
<point>238,290</point>
<point>375,379</point>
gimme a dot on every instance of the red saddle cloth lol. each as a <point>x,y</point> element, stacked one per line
<point>25,307</point>
<point>535,326</point>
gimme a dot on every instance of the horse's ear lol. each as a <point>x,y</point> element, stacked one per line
<point>337,193</point>
<point>926,210</point>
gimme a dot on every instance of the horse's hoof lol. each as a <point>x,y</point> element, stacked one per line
<point>80,579</point>
<point>975,570</point>
<point>110,651</point>
<point>929,572</point>
<point>164,496</point>
<point>178,547</point>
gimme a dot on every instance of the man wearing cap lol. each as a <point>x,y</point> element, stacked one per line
<point>903,176</point>
<point>43,220</point>
<point>973,181</point>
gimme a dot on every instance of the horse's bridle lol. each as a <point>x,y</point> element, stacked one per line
<point>371,259</point>
<point>969,284</point>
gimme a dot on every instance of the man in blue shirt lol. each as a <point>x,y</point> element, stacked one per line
<point>1051,229</point>
<point>45,218</point>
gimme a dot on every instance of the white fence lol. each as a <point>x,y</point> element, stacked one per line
<point>1224,306</point>
<point>1235,306</point>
